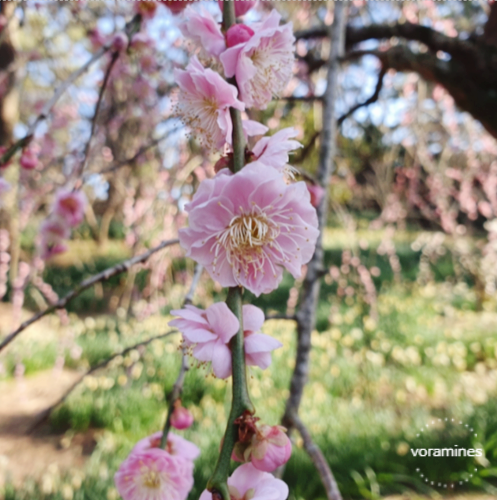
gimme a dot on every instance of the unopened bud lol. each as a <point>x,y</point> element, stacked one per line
<point>317,193</point>
<point>238,33</point>
<point>181,418</point>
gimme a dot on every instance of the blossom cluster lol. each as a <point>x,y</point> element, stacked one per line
<point>245,227</point>
<point>67,212</point>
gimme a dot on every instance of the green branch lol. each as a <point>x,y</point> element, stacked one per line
<point>241,400</point>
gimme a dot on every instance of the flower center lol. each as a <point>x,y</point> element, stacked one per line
<point>151,479</point>
<point>248,241</point>
<point>70,204</point>
<point>249,231</point>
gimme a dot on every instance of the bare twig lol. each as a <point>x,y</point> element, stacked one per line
<point>282,316</point>
<point>112,62</point>
<point>131,28</point>
<point>103,276</point>
<point>367,102</point>
<point>137,155</point>
<point>47,109</point>
<point>319,461</point>
<point>178,386</point>
<point>175,395</point>
<point>306,98</point>
<point>304,152</point>
<point>42,416</point>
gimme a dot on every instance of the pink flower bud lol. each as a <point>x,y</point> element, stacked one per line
<point>241,6</point>
<point>271,448</point>
<point>266,447</point>
<point>29,159</point>
<point>238,33</point>
<point>119,42</point>
<point>224,162</point>
<point>176,6</point>
<point>317,193</point>
<point>181,418</point>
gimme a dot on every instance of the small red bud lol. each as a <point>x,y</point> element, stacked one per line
<point>238,33</point>
<point>181,418</point>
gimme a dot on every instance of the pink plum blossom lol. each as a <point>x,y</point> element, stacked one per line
<point>210,331</point>
<point>269,448</point>
<point>70,206</point>
<point>263,65</point>
<point>154,475</point>
<point>258,346</point>
<point>273,151</point>
<point>204,103</point>
<point>201,331</point>
<point>317,193</point>
<point>241,6</point>
<point>29,159</point>
<point>204,30</point>
<point>248,483</point>
<point>252,128</point>
<point>176,445</point>
<point>53,232</point>
<point>247,227</point>
<point>181,418</point>
<point>238,33</point>
<point>141,41</point>
<point>55,228</point>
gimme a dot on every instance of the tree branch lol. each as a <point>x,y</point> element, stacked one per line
<point>137,155</point>
<point>103,276</point>
<point>434,40</point>
<point>309,297</point>
<point>319,461</point>
<point>282,316</point>
<point>112,62</point>
<point>59,91</point>
<point>42,417</point>
<point>367,102</point>
<point>462,84</point>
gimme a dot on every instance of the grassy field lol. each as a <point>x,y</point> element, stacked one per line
<point>374,382</point>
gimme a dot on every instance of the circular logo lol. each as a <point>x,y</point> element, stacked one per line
<point>445,453</point>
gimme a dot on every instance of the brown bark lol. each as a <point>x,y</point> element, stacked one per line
<point>309,298</point>
<point>469,74</point>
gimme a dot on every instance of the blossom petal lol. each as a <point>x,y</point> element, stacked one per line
<point>223,321</point>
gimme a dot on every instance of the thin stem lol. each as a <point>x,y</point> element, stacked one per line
<point>241,402</point>
<point>42,416</point>
<point>175,395</point>
<point>178,385</point>
<point>105,81</point>
<point>103,276</point>
<point>218,483</point>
